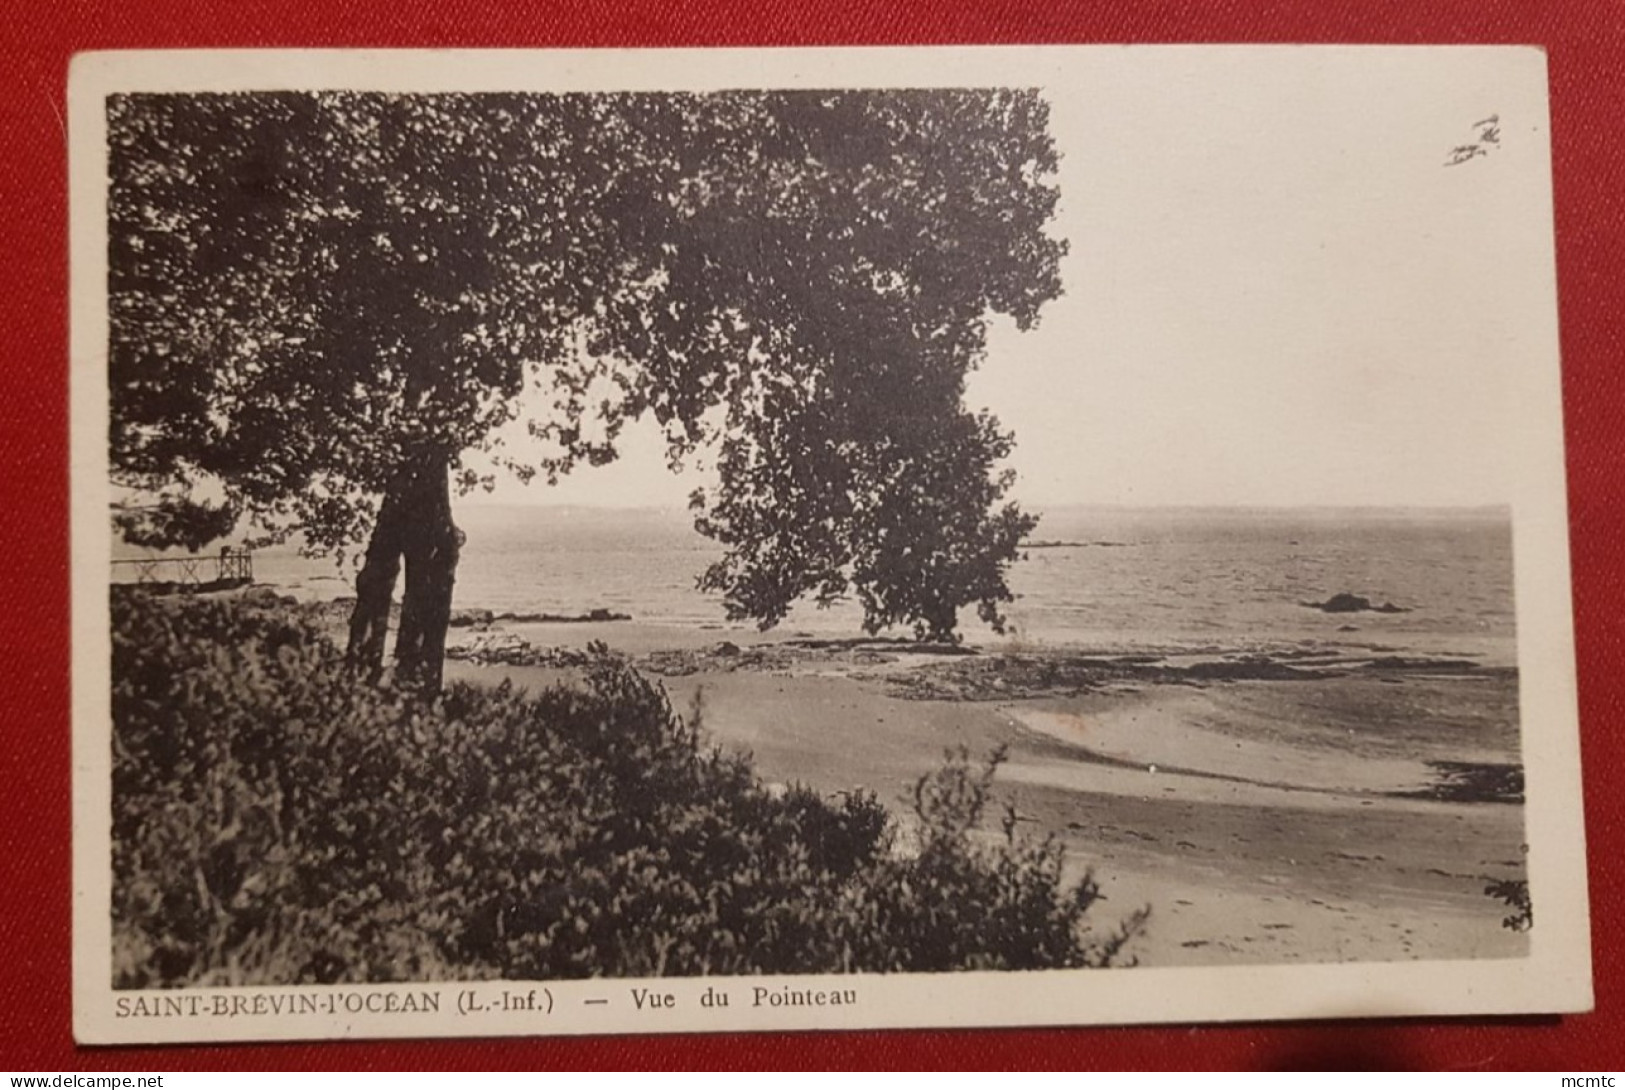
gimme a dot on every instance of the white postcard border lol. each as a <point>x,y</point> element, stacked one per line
<point>1554,977</point>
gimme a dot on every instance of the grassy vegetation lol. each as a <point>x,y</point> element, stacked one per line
<point>1515,894</point>
<point>274,821</point>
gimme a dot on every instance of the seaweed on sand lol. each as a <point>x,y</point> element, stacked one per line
<point>1473,781</point>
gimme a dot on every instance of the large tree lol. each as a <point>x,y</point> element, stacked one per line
<point>323,305</point>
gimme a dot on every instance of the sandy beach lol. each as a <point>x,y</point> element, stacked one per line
<point>1327,804</point>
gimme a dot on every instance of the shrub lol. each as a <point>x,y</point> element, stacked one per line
<point>275,821</point>
<point>1514,892</point>
<point>969,901</point>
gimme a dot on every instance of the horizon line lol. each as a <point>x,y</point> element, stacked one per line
<point>1503,505</point>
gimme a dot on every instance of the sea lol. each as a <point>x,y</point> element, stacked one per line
<point>1096,577</point>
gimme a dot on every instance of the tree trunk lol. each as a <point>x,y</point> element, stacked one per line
<point>431,543</point>
<point>374,591</point>
<point>414,522</point>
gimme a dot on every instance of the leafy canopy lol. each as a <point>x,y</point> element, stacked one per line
<point>310,290</point>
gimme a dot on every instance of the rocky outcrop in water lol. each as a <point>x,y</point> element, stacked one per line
<point>592,616</point>
<point>510,649</point>
<point>1353,603</point>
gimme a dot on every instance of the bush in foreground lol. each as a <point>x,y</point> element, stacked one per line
<point>274,821</point>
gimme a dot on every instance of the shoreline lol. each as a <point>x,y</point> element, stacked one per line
<point>1263,819</point>
<point>1334,802</point>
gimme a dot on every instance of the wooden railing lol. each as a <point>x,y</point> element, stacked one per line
<point>229,568</point>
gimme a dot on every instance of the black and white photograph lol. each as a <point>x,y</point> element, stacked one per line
<point>774,539</point>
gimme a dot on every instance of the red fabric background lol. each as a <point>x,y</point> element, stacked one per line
<point>1586,45</point>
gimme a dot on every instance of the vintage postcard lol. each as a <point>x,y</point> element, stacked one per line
<point>615,541</point>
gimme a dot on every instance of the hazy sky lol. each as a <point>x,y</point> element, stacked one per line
<point>1277,293</point>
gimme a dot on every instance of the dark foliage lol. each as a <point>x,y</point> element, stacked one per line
<point>328,306</point>
<point>275,822</point>
<point>189,524</point>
